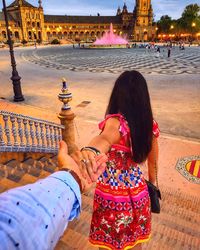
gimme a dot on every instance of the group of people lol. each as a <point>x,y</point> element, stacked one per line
<point>35,216</point>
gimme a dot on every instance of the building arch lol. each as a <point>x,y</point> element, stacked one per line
<point>60,35</point>
<point>82,35</point>
<point>145,36</point>
<point>48,35</point>
<point>39,35</point>
<point>98,34</point>
<point>38,24</point>
<point>34,35</point>
<point>4,35</point>
<point>30,35</point>
<point>70,34</point>
<point>16,34</point>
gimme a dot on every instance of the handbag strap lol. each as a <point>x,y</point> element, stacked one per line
<point>156,168</point>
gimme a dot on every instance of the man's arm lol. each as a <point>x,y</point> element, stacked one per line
<point>35,216</point>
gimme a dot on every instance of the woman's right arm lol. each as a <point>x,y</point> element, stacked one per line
<point>103,142</point>
<point>153,161</point>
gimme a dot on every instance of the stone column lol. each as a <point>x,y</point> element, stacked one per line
<point>66,117</point>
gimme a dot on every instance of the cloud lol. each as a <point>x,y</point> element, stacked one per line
<point>173,8</point>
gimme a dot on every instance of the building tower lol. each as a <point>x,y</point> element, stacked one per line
<point>40,3</point>
<point>143,14</point>
<point>119,11</point>
<point>29,19</point>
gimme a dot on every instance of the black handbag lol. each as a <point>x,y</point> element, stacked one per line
<point>155,195</point>
<point>154,192</point>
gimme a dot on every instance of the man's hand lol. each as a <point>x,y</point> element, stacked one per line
<point>87,176</point>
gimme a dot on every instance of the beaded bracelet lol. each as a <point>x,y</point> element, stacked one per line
<point>76,177</point>
<point>92,149</point>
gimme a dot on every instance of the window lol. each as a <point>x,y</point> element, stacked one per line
<point>17,34</point>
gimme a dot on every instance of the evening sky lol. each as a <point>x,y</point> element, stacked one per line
<point>173,8</point>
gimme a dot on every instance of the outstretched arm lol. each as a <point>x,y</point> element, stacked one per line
<point>35,216</point>
<point>103,142</point>
<point>109,136</point>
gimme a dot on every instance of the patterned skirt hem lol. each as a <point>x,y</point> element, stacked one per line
<point>138,241</point>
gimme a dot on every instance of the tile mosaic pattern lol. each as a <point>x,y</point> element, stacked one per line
<point>189,167</point>
<point>117,60</point>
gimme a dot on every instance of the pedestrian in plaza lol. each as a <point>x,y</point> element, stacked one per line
<point>121,213</point>
<point>158,52</point>
<point>168,51</point>
<point>35,216</point>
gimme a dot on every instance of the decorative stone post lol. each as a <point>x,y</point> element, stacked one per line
<point>66,117</point>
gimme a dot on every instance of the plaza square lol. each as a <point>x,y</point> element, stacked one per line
<point>64,92</point>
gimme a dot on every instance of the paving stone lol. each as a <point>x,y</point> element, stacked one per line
<point>117,61</point>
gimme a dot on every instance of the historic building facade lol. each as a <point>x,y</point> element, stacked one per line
<point>28,22</point>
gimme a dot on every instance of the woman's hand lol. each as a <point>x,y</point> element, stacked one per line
<point>90,164</point>
<point>79,165</point>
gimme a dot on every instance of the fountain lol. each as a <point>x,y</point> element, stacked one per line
<point>110,40</point>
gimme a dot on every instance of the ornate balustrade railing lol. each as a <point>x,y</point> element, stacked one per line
<point>20,133</point>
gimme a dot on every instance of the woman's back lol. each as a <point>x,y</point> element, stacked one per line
<point>121,216</point>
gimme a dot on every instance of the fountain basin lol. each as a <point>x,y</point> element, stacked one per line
<point>108,46</point>
<point>110,40</point>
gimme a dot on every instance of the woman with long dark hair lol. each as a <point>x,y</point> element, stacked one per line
<point>121,214</point>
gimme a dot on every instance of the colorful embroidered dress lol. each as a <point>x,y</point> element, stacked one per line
<point>121,212</point>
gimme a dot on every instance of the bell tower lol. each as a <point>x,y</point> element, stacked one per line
<point>143,13</point>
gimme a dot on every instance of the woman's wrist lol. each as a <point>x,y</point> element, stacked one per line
<point>91,149</point>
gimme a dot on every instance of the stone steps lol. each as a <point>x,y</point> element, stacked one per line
<point>175,228</point>
<point>14,173</point>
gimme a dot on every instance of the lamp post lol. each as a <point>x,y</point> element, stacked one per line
<point>18,96</point>
<point>193,29</point>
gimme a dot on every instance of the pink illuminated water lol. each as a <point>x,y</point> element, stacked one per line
<point>109,38</point>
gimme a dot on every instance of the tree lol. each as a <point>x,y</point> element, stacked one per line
<point>190,19</point>
<point>164,24</point>
<point>188,23</point>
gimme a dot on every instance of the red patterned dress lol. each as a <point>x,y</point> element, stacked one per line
<point>121,211</point>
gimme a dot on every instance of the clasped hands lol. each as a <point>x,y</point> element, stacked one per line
<point>85,164</point>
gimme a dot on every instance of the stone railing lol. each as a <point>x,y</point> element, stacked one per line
<point>19,133</point>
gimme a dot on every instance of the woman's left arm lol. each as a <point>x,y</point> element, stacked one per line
<point>153,161</point>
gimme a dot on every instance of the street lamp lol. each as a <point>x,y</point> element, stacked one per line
<point>193,30</point>
<point>18,96</point>
<point>193,24</point>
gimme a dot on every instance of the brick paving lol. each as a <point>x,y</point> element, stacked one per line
<point>116,61</point>
<point>177,227</point>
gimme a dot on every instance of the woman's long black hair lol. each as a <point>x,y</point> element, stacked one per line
<point>130,97</point>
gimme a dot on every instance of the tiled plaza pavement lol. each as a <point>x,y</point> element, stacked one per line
<point>117,60</point>
<point>176,228</point>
